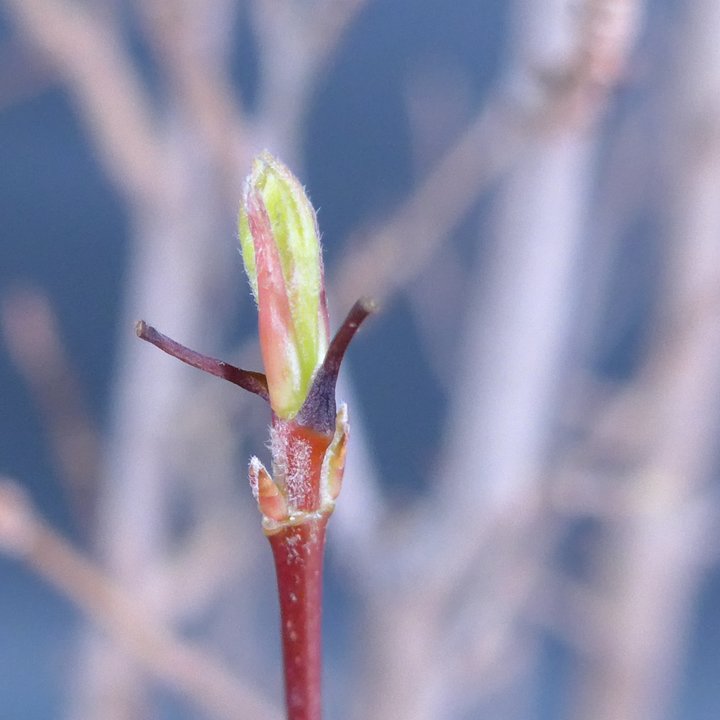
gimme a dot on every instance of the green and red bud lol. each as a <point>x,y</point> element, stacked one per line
<point>281,250</point>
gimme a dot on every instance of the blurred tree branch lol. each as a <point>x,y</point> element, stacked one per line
<point>85,48</point>
<point>29,327</point>
<point>188,669</point>
<point>476,552</point>
<point>536,102</point>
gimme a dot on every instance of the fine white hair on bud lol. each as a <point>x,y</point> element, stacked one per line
<point>281,250</point>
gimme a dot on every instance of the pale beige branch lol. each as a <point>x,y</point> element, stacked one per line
<point>86,50</point>
<point>543,103</point>
<point>491,632</point>
<point>651,563</point>
<point>184,38</point>
<point>488,494</point>
<point>181,665</point>
<point>29,327</point>
<point>329,19</point>
<point>295,40</point>
<point>399,249</point>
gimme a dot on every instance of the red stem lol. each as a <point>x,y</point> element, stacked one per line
<point>298,553</point>
<point>298,538</point>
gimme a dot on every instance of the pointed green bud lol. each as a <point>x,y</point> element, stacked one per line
<point>281,250</point>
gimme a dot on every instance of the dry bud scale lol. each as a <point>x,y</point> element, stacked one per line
<point>281,251</point>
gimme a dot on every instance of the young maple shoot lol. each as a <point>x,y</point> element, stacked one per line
<point>281,250</point>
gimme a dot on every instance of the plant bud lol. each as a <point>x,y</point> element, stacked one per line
<point>281,250</point>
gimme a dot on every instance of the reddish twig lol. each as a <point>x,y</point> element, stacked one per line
<point>298,552</point>
<point>308,460</point>
<point>253,382</point>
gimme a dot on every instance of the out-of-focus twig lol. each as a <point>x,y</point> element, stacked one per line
<point>649,566</point>
<point>549,101</point>
<point>318,25</point>
<point>87,52</point>
<point>184,37</point>
<point>186,668</point>
<point>295,40</point>
<point>499,428</point>
<point>22,76</point>
<point>31,335</point>
<point>328,21</point>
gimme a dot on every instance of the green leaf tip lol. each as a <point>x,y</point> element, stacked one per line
<point>281,251</point>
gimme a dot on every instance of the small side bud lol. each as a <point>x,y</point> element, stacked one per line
<point>270,500</point>
<point>334,462</point>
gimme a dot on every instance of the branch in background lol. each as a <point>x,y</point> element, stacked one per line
<point>294,40</point>
<point>490,475</point>
<point>184,39</point>
<point>329,19</point>
<point>22,75</point>
<point>119,113</point>
<point>495,138</point>
<point>29,326</point>
<point>394,253</point>
<point>569,99</point>
<point>184,667</point>
<point>649,567</point>
<point>87,51</point>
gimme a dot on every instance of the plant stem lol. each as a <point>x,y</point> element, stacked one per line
<point>253,382</point>
<point>308,454</point>
<point>298,553</point>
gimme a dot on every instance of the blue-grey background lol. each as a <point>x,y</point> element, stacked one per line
<point>65,230</point>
